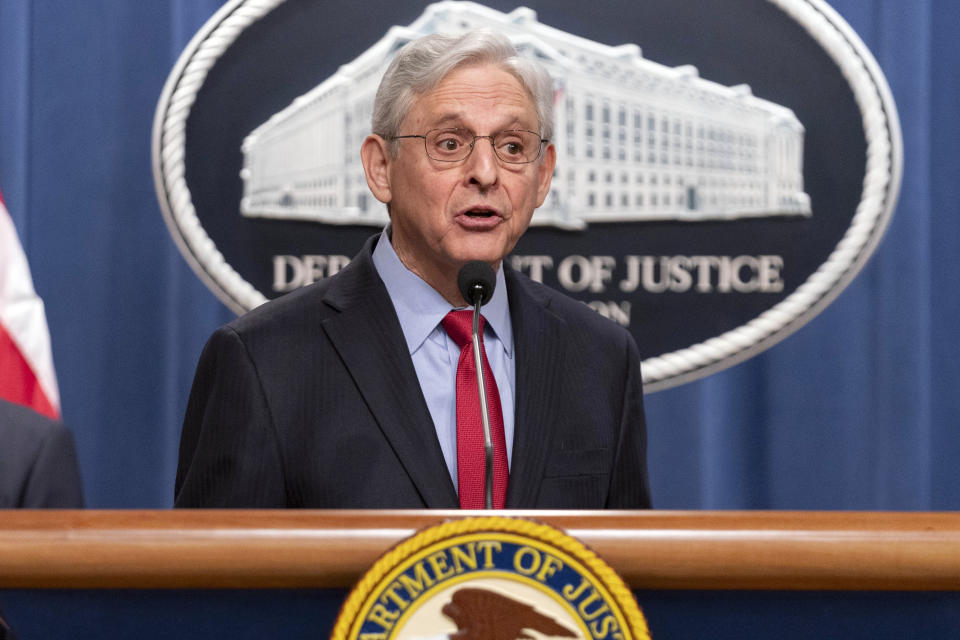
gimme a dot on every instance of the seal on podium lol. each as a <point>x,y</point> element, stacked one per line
<point>490,578</point>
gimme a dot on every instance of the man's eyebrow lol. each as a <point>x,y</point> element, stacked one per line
<point>455,121</point>
<point>448,120</point>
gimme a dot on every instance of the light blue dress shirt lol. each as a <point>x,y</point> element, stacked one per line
<point>435,355</point>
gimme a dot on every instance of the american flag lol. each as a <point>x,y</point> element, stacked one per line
<point>27,376</point>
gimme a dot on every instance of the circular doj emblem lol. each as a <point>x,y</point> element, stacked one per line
<point>724,169</point>
<point>490,578</point>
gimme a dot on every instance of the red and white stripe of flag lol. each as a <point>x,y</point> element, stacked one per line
<point>27,376</point>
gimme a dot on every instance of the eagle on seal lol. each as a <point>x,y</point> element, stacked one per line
<point>482,614</point>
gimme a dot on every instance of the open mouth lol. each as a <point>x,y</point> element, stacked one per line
<point>479,218</point>
<point>480,213</point>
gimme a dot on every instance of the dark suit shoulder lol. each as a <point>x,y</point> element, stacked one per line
<point>23,432</point>
<point>314,303</point>
<point>574,313</point>
<point>38,464</point>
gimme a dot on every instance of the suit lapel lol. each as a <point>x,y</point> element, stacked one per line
<point>367,335</point>
<point>538,341</point>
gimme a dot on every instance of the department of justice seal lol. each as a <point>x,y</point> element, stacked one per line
<point>490,578</point>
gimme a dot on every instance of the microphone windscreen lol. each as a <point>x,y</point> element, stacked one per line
<point>476,273</point>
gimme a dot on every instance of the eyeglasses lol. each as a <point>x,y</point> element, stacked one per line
<point>514,146</point>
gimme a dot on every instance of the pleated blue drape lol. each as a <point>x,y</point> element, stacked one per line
<point>857,410</point>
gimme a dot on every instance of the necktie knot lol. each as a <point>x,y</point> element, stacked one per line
<point>459,326</point>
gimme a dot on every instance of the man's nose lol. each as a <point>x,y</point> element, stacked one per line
<point>483,166</point>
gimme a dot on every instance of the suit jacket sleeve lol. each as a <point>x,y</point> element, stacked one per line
<point>629,484</point>
<point>229,455</point>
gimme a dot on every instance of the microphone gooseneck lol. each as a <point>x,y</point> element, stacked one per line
<point>476,281</point>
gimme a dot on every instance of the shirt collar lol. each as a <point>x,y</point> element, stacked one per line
<point>420,308</point>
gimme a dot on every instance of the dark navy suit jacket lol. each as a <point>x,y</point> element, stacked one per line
<point>38,463</point>
<point>312,400</point>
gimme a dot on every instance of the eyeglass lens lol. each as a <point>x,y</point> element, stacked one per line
<point>513,146</point>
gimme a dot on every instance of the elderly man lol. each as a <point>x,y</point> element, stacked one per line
<point>352,393</point>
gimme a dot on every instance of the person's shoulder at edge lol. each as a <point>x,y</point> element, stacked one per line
<point>38,461</point>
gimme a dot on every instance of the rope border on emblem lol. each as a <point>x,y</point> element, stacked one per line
<point>545,533</point>
<point>880,189</point>
<point>169,144</point>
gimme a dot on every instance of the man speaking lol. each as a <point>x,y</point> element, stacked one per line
<point>360,391</point>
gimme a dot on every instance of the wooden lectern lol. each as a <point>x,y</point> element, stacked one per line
<point>284,574</point>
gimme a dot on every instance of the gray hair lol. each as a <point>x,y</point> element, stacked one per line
<point>423,63</point>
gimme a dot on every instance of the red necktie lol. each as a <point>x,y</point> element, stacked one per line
<point>471,461</point>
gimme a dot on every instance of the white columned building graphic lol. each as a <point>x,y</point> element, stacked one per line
<point>635,140</point>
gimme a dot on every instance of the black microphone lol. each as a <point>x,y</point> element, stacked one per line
<point>476,278</point>
<point>476,281</point>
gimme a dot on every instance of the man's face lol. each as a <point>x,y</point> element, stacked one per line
<point>444,214</point>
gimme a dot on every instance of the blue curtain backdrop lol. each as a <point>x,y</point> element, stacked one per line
<point>857,410</point>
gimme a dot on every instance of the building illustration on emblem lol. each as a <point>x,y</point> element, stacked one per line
<point>635,140</point>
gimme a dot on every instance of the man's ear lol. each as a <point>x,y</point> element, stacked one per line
<point>545,173</point>
<point>376,159</point>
